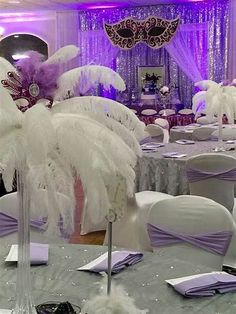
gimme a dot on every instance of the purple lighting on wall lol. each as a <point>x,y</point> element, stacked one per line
<point>101,6</point>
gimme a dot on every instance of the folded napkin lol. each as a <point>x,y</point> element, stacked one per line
<point>204,285</point>
<point>38,253</point>
<point>120,260</point>
<point>173,155</point>
<point>185,142</point>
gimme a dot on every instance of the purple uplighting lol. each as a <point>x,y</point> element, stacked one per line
<point>101,5</point>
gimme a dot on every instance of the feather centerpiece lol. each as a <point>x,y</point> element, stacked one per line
<point>90,137</point>
<point>217,100</point>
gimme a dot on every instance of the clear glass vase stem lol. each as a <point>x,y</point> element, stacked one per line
<point>24,304</point>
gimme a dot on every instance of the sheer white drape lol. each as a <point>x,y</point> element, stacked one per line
<point>67,25</point>
<point>184,49</point>
<point>232,41</point>
<point>96,48</point>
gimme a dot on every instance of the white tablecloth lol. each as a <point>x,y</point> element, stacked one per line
<point>156,173</point>
<point>145,282</point>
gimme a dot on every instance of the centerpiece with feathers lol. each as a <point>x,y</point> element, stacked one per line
<point>50,141</point>
<point>216,100</point>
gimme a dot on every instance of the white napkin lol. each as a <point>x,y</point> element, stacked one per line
<point>120,260</point>
<point>185,142</point>
<point>38,253</point>
<point>173,155</point>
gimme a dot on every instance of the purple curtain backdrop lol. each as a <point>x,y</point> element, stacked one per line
<point>215,13</point>
<point>232,41</point>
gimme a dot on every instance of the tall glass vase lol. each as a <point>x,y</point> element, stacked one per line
<point>220,144</point>
<point>24,303</point>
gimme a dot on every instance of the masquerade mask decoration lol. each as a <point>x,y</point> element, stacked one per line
<point>155,32</point>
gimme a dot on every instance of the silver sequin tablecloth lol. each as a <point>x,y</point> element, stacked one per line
<point>156,173</point>
<point>145,282</point>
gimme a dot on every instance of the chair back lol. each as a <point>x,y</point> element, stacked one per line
<point>9,213</point>
<point>155,131</point>
<point>167,112</point>
<point>185,111</point>
<point>228,133</point>
<point>219,188</point>
<point>206,120</point>
<point>164,124</point>
<point>202,133</point>
<point>191,229</point>
<point>148,112</point>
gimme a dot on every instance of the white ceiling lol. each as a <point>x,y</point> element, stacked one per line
<point>19,5</point>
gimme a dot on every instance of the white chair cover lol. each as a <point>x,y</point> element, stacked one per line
<point>167,112</point>
<point>205,120</point>
<point>148,112</point>
<point>218,190</point>
<point>155,131</point>
<point>185,111</point>
<point>131,232</point>
<point>227,134</point>
<point>191,215</point>
<point>9,205</point>
<point>164,124</point>
<point>202,133</point>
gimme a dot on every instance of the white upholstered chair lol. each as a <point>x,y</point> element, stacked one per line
<point>215,187</point>
<point>9,206</point>
<point>227,134</point>
<point>155,132</point>
<point>185,111</point>
<point>167,112</point>
<point>131,231</point>
<point>148,112</point>
<point>164,124</point>
<point>189,215</point>
<point>206,120</point>
<point>202,133</point>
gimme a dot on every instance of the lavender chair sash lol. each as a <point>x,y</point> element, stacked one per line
<point>9,224</point>
<point>215,242</point>
<point>195,175</point>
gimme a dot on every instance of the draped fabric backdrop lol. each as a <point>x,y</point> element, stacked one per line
<point>67,24</point>
<point>232,41</point>
<point>200,45</point>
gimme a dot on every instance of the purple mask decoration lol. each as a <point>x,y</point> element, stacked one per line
<point>32,81</point>
<point>154,31</point>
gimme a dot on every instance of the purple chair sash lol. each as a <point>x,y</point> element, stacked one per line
<point>215,242</point>
<point>9,224</point>
<point>195,175</point>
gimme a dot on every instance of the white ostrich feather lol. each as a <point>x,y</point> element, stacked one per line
<point>86,77</point>
<point>118,302</point>
<point>92,138</point>
<point>64,54</point>
<point>39,134</point>
<point>91,149</point>
<point>197,102</point>
<point>103,106</point>
<point>206,84</point>
<point>219,100</point>
<point>10,116</point>
<point>5,67</point>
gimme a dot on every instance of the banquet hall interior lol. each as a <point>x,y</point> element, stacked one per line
<point>118,128</point>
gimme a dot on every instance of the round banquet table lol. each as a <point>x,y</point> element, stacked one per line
<point>157,173</point>
<point>145,282</point>
<point>186,132</point>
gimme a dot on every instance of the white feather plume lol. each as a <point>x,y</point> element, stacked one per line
<point>92,138</point>
<point>118,302</point>
<point>103,106</point>
<point>86,77</point>
<point>5,66</point>
<point>63,55</point>
<point>205,84</point>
